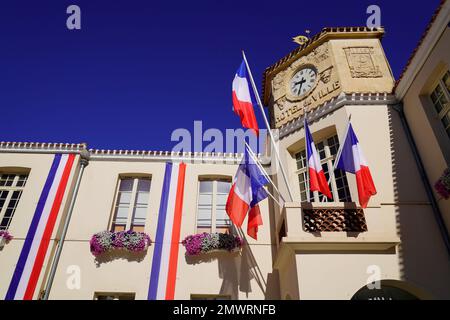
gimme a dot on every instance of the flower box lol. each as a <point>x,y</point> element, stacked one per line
<point>211,242</point>
<point>5,237</point>
<point>442,186</point>
<point>131,241</point>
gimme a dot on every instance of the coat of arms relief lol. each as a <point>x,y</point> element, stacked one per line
<point>361,63</point>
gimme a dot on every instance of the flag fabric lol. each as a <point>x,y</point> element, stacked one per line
<point>242,101</point>
<point>351,159</point>
<point>317,180</point>
<point>31,259</point>
<point>167,239</point>
<point>245,194</point>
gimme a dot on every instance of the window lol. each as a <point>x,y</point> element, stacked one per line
<point>11,187</point>
<point>327,150</point>
<point>131,204</point>
<point>114,296</point>
<point>210,297</point>
<point>212,199</point>
<point>440,98</point>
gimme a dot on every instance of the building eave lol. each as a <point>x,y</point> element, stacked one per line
<point>436,27</point>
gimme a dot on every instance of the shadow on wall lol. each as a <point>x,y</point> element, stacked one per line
<point>422,255</point>
<point>237,270</point>
<point>119,254</point>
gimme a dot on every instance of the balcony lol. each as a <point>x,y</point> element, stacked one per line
<point>336,227</point>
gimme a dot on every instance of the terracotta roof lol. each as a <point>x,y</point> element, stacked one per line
<point>316,40</point>
<point>424,35</point>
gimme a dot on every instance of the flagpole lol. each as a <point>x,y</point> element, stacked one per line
<point>339,152</point>
<point>253,155</point>
<point>268,127</point>
<point>307,182</point>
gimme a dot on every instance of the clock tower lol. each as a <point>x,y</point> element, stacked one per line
<point>333,62</point>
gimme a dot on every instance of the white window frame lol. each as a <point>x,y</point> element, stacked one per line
<point>214,180</point>
<point>132,200</point>
<point>11,189</point>
<point>328,159</point>
<point>446,108</point>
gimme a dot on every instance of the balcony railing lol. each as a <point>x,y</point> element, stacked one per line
<point>333,219</point>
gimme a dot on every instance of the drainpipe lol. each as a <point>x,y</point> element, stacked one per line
<point>84,161</point>
<point>436,212</point>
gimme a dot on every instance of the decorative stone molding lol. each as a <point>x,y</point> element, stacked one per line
<point>334,104</point>
<point>107,154</point>
<point>361,63</point>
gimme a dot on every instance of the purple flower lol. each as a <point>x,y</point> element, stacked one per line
<point>6,235</point>
<point>205,242</point>
<point>442,186</point>
<point>128,240</point>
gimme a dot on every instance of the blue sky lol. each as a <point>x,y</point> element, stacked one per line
<point>139,69</point>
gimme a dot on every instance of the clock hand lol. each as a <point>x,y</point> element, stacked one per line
<point>301,82</point>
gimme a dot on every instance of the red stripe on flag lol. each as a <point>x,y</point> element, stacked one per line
<point>254,220</point>
<point>318,182</point>
<point>245,111</point>
<point>365,185</point>
<point>175,244</point>
<point>43,246</point>
<point>236,208</point>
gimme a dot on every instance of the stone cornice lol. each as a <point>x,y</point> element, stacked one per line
<point>114,155</point>
<point>336,103</point>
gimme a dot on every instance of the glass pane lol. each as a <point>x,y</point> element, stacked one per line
<point>3,195</point>
<point>446,80</point>
<point>204,215</point>
<point>206,186</point>
<point>124,198</point>
<point>223,187</point>
<point>126,185</point>
<point>222,199</point>
<point>446,120</point>
<point>142,198</point>
<point>144,185</point>
<point>121,215</point>
<point>205,199</point>
<point>301,159</point>
<point>139,213</point>
<point>342,186</point>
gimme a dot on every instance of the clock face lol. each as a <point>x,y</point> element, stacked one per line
<point>303,81</point>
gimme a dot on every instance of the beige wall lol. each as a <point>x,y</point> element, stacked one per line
<point>39,165</point>
<point>429,135</point>
<point>242,276</point>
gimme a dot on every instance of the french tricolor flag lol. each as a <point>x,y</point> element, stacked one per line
<point>245,194</point>
<point>317,180</point>
<point>242,101</point>
<point>351,159</point>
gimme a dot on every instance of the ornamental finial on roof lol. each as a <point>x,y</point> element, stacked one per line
<point>302,39</point>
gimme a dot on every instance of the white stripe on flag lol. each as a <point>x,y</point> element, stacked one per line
<point>243,188</point>
<point>240,87</point>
